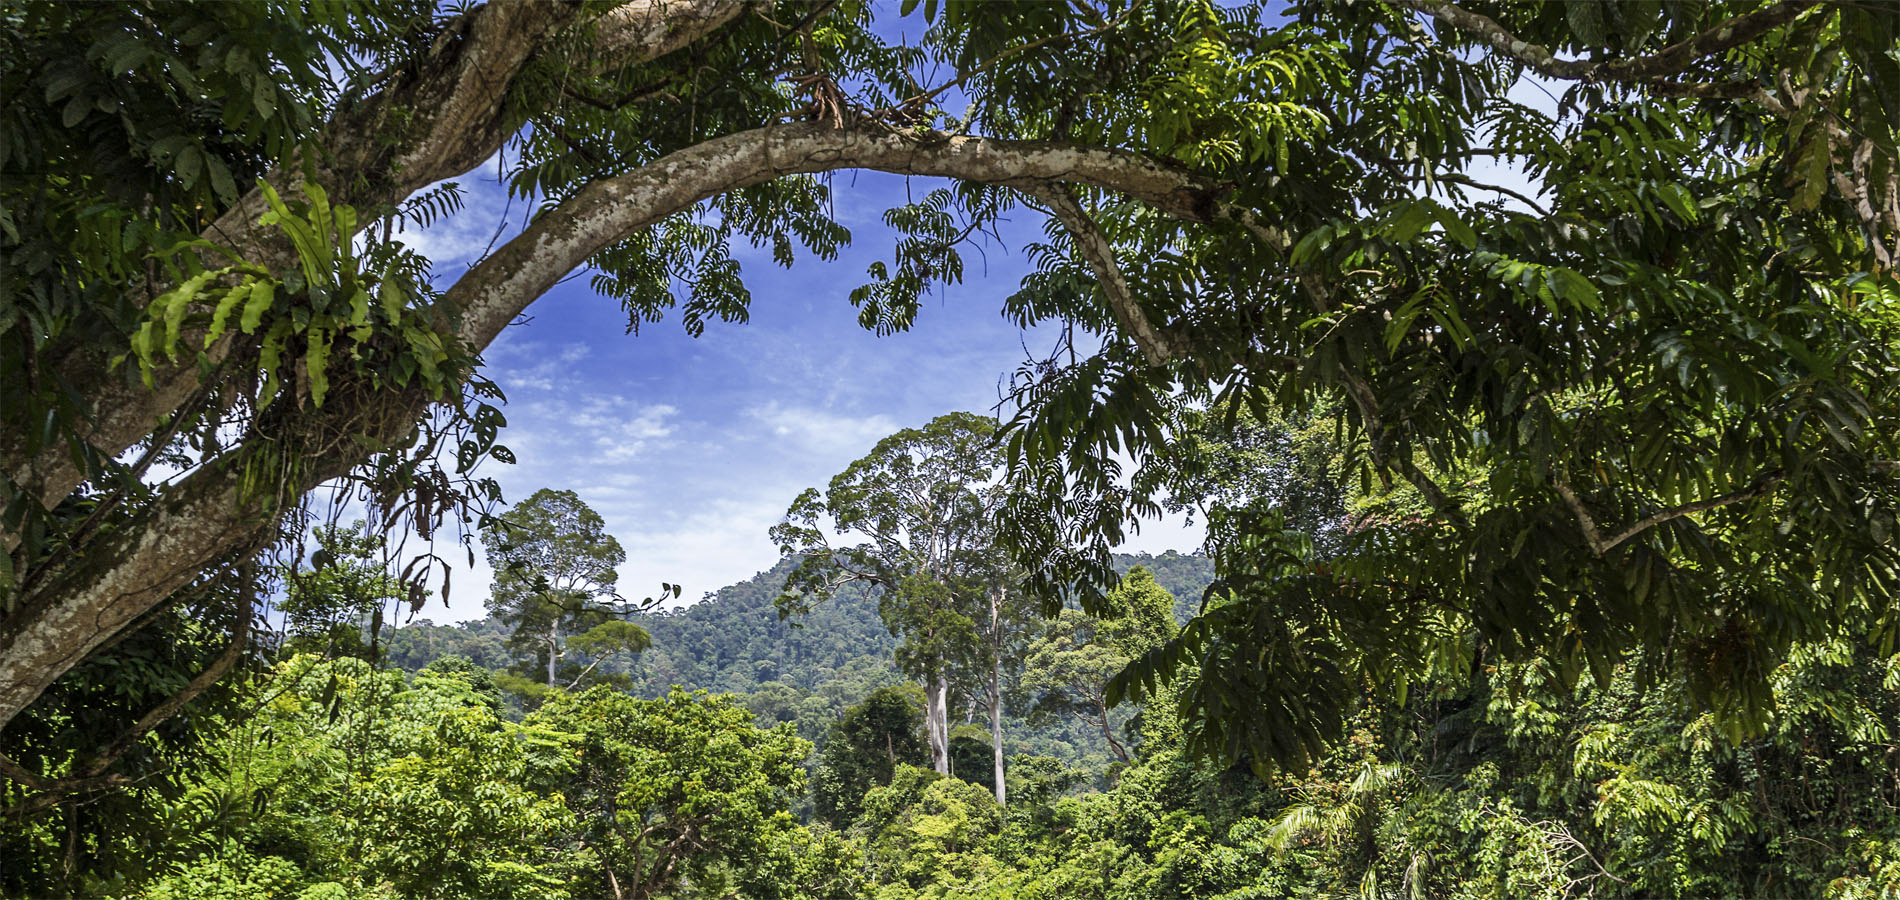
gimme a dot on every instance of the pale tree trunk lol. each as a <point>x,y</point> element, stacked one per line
<point>937,721</point>
<point>996,692</point>
<point>554,648</point>
<point>996,735</point>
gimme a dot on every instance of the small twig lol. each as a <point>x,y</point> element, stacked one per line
<point>1468,181</point>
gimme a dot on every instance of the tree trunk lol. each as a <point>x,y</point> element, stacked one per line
<point>1114,746</point>
<point>554,649</point>
<point>996,692</point>
<point>937,722</point>
<point>996,733</point>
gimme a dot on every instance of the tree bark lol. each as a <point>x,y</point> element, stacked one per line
<point>937,722</point>
<point>1108,734</point>
<point>996,693</point>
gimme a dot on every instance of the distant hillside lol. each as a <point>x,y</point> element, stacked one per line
<point>733,641</point>
<point>805,671</point>
<point>1186,577</point>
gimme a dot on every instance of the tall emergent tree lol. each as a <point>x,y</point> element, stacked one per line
<point>1673,364</point>
<point>1003,624</point>
<point>924,500</point>
<point>554,563</point>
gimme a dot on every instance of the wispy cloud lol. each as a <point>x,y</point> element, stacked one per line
<point>520,366</point>
<point>818,430</point>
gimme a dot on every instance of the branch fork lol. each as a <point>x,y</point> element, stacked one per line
<point>1600,545</point>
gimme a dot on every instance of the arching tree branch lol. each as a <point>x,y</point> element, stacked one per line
<point>207,516</point>
<point>453,115</point>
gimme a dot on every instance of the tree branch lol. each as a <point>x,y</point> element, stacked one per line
<point>1468,181</point>
<point>208,515</point>
<point>94,775</point>
<point>1156,347</point>
<point>1591,535</point>
<point>1600,545</point>
<point>1663,63</point>
<point>240,639</point>
<point>455,109</point>
<point>1760,487</point>
<point>495,291</point>
<point>53,795</point>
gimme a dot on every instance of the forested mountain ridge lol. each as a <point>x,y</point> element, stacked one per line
<point>733,640</point>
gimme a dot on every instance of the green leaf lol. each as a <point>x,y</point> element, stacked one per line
<point>263,98</point>
<point>188,165</point>
<point>1808,175</point>
<point>1586,21</point>
<point>317,363</point>
<point>175,313</point>
<point>222,314</point>
<point>393,300</point>
<point>1456,229</point>
<point>1679,201</point>
<point>263,294</point>
<point>1574,288</point>
<point>1407,225</point>
<point>221,179</point>
<point>76,110</point>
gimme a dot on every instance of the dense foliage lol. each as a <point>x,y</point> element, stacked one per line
<point>335,779</point>
<point>352,782</point>
<point>1648,413</point>
<point>1516,787</point>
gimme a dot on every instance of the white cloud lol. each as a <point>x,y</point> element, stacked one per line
<point>691,449</point>
<point>624,440</point>
<point>718,543</point>
<point>523,365</point>
<point>454,241</point>
<point>822,431</point>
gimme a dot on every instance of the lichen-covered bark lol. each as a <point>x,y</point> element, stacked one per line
<point>202,518</point>
<point>156,554</point>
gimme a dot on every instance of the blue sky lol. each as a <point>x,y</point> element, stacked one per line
<point>692,448</point>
